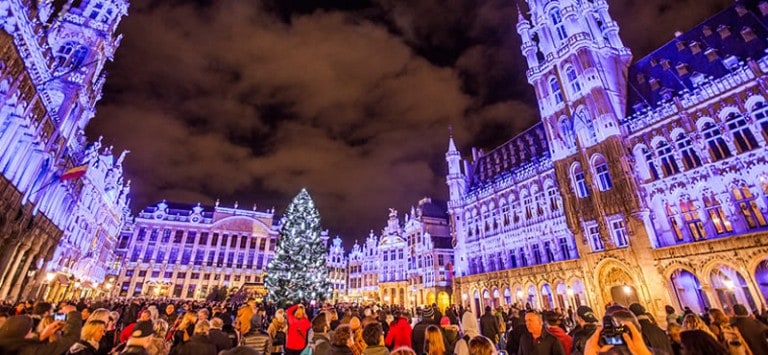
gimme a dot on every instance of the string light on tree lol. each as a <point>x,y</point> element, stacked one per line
<point>298,272</point>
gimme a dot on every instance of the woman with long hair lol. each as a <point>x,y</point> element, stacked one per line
<point>728,336</point>
<point>90,336</point>
<point>276,331</point>
<point>481,345</point>
<point>434,343</point>
<point>694,322</point>
<point>158,345</point>
<point>700,342</point>
<point>185,329</point>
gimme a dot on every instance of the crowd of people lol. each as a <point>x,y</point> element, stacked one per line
<point>206,328</point>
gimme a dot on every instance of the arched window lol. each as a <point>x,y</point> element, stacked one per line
<point>554,86</point>
<point>579,182</point>
<point>691,160</point>
<point>742,136</point>
<point>566,132</point>
<point>71,54</point>
<point>760,112</point>
<point>745,201</point>
<point>715,212</point>
<point>619,231</point>
<point>672,218</point>
<point>601,171</point>
<point>667,158</point>
<point>536,253</point>
<point>554,199</point>
<point>573,79</point>
<point>528,206</point>
<point>652,171</point>
<point>557,23</point>
<point>548,252</point>
<point>717,146</point>
<point>691,218</point>
<point>593,233</point>
<point>523,258</point>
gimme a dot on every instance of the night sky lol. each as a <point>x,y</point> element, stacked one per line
<point>250,101</point>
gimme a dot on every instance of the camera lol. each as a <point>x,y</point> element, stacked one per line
<point>59,317</point>
<point>612,331</point>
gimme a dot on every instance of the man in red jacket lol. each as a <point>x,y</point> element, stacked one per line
<point>298,327</point>
<point>399,332</point>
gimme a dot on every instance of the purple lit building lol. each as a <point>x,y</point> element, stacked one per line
<point>52,59</point>
<point>644,181</point>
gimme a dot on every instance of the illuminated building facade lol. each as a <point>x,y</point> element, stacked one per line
<point>337,269</point>
<point>51,76</point>
<point>183,251</point>
<point>644,182</point>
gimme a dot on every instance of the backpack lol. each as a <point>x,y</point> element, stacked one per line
<point>279,338</point>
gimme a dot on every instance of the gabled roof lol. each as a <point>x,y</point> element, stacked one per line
<point>708,50</point>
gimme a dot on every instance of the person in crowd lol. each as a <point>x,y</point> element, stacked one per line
<point>321,339</point>
<point>471,330</point>
<point>241,350</point>
<point>480,345</point>
<point>554,327</point>
<point>727,335</point>
<point>108,340</point>
<point>298,326</point>
<point>434,343</point>
<point>373,335</point>
<point>753,331</point>
<point>672,316</point>
<point>673,330</point>
<point>144,316</point>
<point>341,340</point>
<point>403,350</point>
<point>17,336</point>
<point>419,331</point>
<point>699,342</point>
<point>400,332</point>
<point>633,338</point>
<point>90,336</point>
<point>44,323</point>
<point>357,335</point>
<point>517,333</point>
<point>158,345</point>
<point>538,340</point>
<point>198,343</point>
<point>42,310</point>
<point>489,325</point>
<point>244,315</point>
<point>203,314</point>
<point>450,332</point>
<point>587,323</point>
<point>258,318</point>
<point>185,329</point>
<point>218,338</point>
<point>170,314</point>
<point>654,336</point>
<point>140,339</point>
<point>276,331</point>
<point>694,322</point>
<point>257,339</point>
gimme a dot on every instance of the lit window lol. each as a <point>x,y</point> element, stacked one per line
<point>717,146</point>
<point>691,160</point>
<point>555,88</point>
<point>672,219</point>
<point>760,111</point>
<point>566,132</point>
<point>603,175</point>
<point>619,232</point>
<point>716,213</point>
<point>557,22</point>
<point>554,199</point>
<point>691,218</point>
<point>573,79</point>
<point>667,158</point>
<point>742,135</point>
<point>527,202</point>
<point>594,237</point>
<point>579,182</point>
<point>747,204</point>
<point>651,164</point>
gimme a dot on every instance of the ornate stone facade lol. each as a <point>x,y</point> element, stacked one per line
<point>645,182</point>
<point>337,269</point>
<point>51,76</point>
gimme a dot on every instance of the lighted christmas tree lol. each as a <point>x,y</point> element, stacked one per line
<point>298,272</point>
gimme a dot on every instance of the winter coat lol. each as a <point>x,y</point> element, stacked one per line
<point>220,340</point>
<point>451,336</point>
<point>580,336</point>
<point>243,320</point>
<point>158,346</point>
<point>258,341</point>
<point>296,337</point>
<point>321,343</point>
<point>197,345</point>
<point>564,338</point>
<point>654,336</point>
<point>489,327</point>
<point>753,332</point>
<point>70,335</point>
<point>376,350</point>
<point>399,334</point>
<point>418,334</point>
<point>339,350</point>
<point>81,347</point>
<point>470,330</point>
<point>134,350</point>
<point>546,345</point>
<point>277,325</point>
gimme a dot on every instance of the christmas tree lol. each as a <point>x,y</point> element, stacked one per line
<point>298,272</point>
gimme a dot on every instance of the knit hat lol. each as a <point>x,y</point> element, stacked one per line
<point>445,321</point>
<point>587,314</point>
<point>16,327</point>
<point>637,309</point>
<point>143,329</point>
<point>428,313</point>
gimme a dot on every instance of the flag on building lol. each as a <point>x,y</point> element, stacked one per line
<point>74,173</point>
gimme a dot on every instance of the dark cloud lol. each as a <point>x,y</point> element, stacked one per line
<point>250,101</point>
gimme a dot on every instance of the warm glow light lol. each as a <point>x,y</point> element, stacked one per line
<point>386,298</point>
<point>519,294</point>
<point>569,291</point>
<point>627,289</point>
<point>108,286</point>
<point>49,276</point>
<point>464,296</point>
<point>77,284</point>
<point>728,284</point>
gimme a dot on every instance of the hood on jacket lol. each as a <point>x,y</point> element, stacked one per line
<point>376,350</point>
<point>469,324</point>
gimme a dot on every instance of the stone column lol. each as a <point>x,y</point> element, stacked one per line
<point>32,256</point>
<point>8,280</point>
